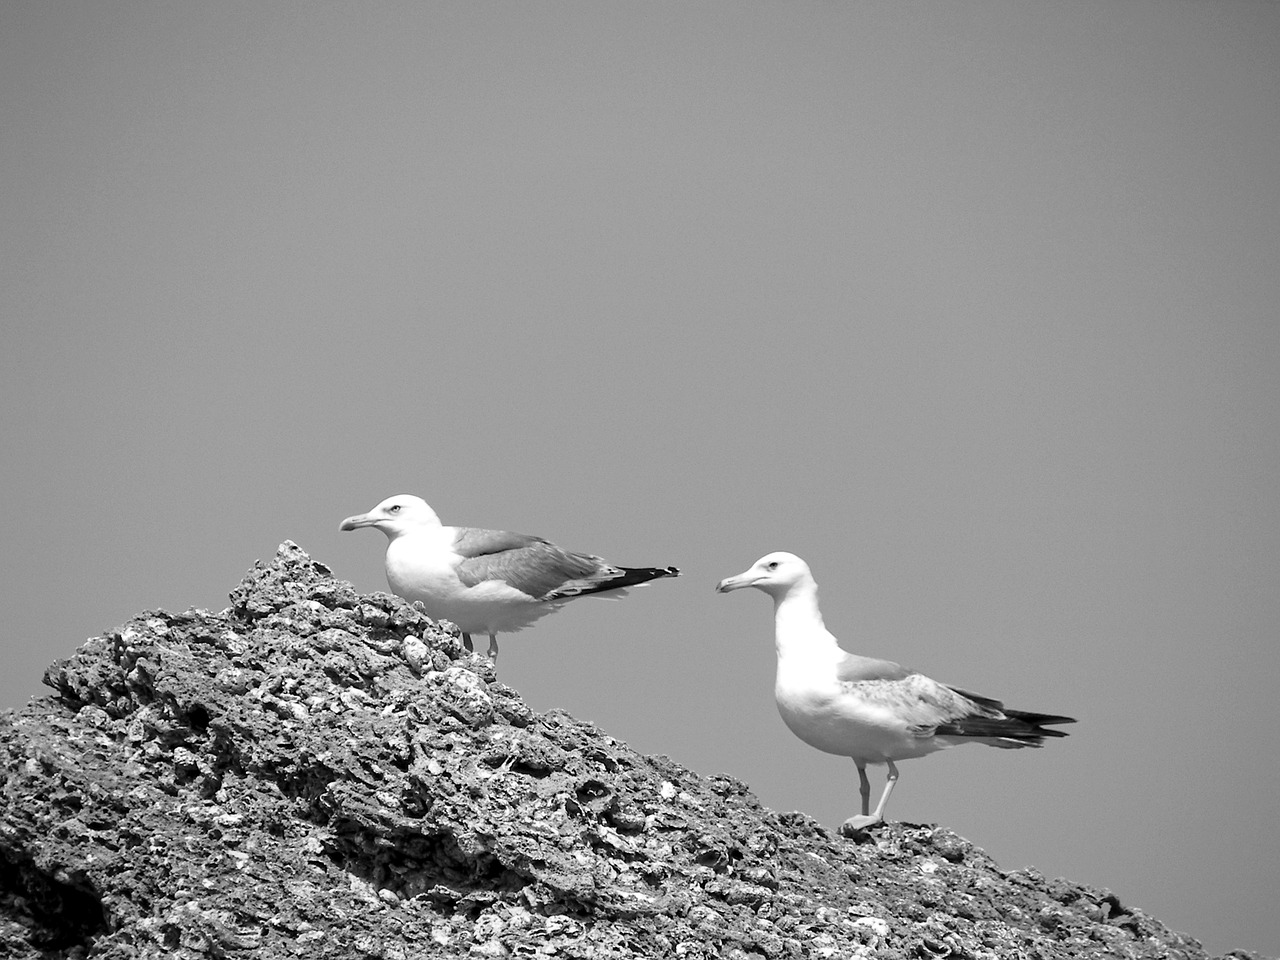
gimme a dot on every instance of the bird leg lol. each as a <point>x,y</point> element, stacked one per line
<point>493,648</point>
<point>466,641</point>
<point>864,788</point>
<point>889,781</point>
<point>866,820</point>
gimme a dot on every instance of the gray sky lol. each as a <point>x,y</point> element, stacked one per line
<point>973,306</point>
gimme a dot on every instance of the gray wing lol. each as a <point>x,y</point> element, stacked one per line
<point>474,542</point>
<point>932,709</point>
<point>924,706</point>
<point>530,564</point>
<point>855,669</point>
<point>964,714</point>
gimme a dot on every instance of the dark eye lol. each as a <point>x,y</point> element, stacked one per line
<point>394,508</point>
<point>773,565</point>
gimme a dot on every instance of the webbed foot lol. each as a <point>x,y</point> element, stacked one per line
<point>860,822</point>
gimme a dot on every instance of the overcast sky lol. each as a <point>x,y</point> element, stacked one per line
<point>973,306</point>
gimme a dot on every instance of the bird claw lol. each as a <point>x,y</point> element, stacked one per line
<point>857,824</point>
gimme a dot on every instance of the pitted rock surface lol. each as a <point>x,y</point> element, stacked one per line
<point>318,773</point>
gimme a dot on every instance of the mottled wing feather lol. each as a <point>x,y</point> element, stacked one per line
<point>932,709</point>
<point>855,669</point>
<point>535,568</point>
<point>922,703</point>
<point>940,705</point>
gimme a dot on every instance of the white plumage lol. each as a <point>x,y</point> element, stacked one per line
<point>487,581</point>
<point>874,711</point>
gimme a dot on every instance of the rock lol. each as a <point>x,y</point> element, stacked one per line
<point>317,773</point>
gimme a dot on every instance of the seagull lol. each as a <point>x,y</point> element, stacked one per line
<point>487,581</point>
<point>873,711</point>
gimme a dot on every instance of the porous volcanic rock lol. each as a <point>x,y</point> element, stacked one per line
<point>317,773</point>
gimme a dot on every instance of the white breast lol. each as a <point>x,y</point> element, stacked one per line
<point>420,567</point>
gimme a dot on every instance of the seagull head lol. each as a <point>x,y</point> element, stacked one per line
<point>395,516</point>
<point>774,573</point>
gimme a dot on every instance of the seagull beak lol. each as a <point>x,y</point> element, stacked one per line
<point>735,583</point>
<point>358,521</point>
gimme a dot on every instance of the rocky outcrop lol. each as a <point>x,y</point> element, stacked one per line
<point>318,773</point>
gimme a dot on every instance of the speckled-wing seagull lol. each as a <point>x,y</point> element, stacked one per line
<point>487,581</point>
<point>874,711</point>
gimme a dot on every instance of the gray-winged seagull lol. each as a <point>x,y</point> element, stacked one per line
<point>487,581</point>
<point>874,711</point>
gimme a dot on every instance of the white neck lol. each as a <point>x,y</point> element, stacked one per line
<point>798,626</point>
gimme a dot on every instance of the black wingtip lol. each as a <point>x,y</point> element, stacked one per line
<point>645,574</point>
<point>1016,726</point>
<point>629,577</point>
<point>1040,720</point>
<point>634,575</point>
